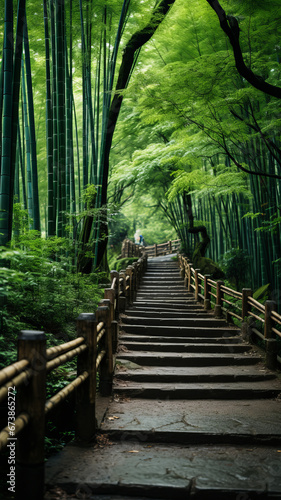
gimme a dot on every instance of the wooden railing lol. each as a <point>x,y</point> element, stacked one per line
<point>255,318</point>
<point>24,382</point>
<point>131,249</point>
<point>156,250</point>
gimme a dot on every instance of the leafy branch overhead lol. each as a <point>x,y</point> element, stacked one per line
<point>230,26</point>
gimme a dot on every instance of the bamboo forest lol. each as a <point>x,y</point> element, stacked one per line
<point>125,115</point>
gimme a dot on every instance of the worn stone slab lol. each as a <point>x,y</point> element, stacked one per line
<point>173,471</point>
<point>193,421</point>
<point>214,390</point>
<point>158,321</point>
<point>145,313</point>
<point>180,330</point>
<point>235,374</point>
<point>157,306</point>
<point>229,340</point>
<point>187,359</point>
<point>185,347</point>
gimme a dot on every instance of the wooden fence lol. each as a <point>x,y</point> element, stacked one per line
<point>156,250</point>
<point>256,319</point>
<point>24,382</point>
<point>130,249</point>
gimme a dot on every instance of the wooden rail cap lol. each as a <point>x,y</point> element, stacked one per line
<point>31,335</point>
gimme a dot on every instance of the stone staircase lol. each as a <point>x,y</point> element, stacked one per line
<point>194,412</point>
<point>180,351</point>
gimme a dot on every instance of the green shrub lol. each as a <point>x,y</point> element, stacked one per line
<point>119,264</point>
<point>235,264</point>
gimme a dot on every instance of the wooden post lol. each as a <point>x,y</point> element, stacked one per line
<point>86,392</point>
<point>106,366</point>
<point>122,297</point>
<point>170,246</point>
<point>270,337</point>
<point>196,283</point>
<point>110,295</point>
<point>246,292</point>
<point>182,268</point>
<point>189,277</point>
<point>115,274</point>
<point>207,296</point>
<point>219,294</point>
<point>245,326</point>
<point>130,294</point>
<point>135,281</point>
<point>155,250</point>
<point>31,399</point>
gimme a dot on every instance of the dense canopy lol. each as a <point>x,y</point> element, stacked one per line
<point>162,116</point>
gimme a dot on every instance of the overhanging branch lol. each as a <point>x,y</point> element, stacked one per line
<point>230,27</point>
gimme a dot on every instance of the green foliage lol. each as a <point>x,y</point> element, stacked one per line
<point>119,226</point>
<point>119,264</point>
<point>43,293</point>
<point>263,293</point>
<point>235,264</point>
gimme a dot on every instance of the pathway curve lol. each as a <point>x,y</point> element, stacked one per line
<point>194,413</point>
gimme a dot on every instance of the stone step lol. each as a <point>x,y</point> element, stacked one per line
<point>164,294</point>
<point>158,306</point>
<point>166,300</point>
<point>162,275</point>
<point>161,267</point>
<point>159,279</point>
<point>137,467</point>
<point>180,331</point>
<point>185,347</point>
<point>157,313</point>
<point>187,359</point>
<point>204,322</point>
<point>167,287</point>
<point>195,421</point>
<point>156,390</point>
<point>225,374</point>
<point>147,339</point>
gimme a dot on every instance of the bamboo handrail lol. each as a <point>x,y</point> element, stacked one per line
<point>55,351</point>
<point>231,292</point>
<point>19,423</point>
<point>99,358</point>
<point>60,360</point>
<point>258,333</point>
<point>256,316</point>
<point>94,347</point>
<point>17,381</point>
<point>276,331</point>
<point>100,326</point>
<point>266,314</point>
<point>276,317</point>
<point>256,304</point>
<point>100,335</point>
<point>8,372</point>
<point>61,395</point>
<point>231,313</point>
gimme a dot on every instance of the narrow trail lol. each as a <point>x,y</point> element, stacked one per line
<point>194,412</point>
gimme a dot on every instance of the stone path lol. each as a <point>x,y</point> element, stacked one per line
<point>194,413</point>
